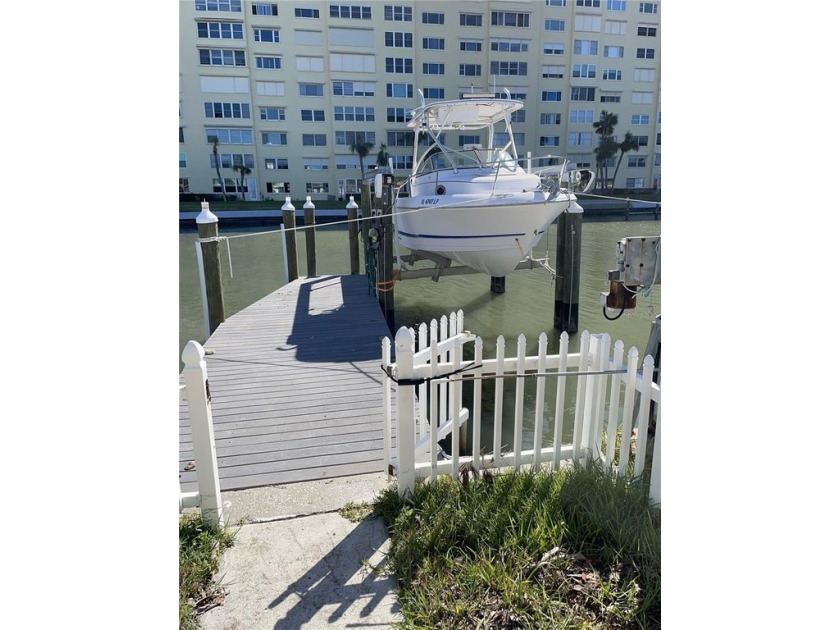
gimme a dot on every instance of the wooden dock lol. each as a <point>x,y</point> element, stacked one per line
<point>296,386</point>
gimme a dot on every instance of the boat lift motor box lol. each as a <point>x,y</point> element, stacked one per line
<point>636,260</point>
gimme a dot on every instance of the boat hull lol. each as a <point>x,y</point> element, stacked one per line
<point>489,235</point>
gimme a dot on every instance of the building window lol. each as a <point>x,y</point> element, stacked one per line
<point>509,68</point>
<point>555,25</point>
<point>263,8</point>
<point>182,160</point>
<point>637,161</point>
<point>312,115</point>
<point>583,70</point>
<point>610,97</point>
<point>659,139</point>
<point>317,187</point>
<point>551,96</point>
<point>277,164</point>
<point>278,187</point>
<point>616,5</point>
<point>614,52</point>
<point>397,13</point>
<point>183,185</point>
<point>314,139</point>
<point>227,6</point>
<point>518,116</point>
<point>398,114</point>
<point>582,94</point>
<point>469,69</point>
<point>465,140</point>
<point>550,119</point>
<point>398,40</point>
<point>302,12</point>
<point>471,45</point>
<point>470,19</point>
<point>229,160</point>
<point>648,7</point>
<point>582,116</point>
<point>642,140</point>
<point>432,18</point>
<point>594,4</point>
<point>227,110</point>
<point>358,114</point>
<point>347,138</point>
<point>554,49</point>
<point>549,141</point>
<point>612,75</point>
<point>434,92</point>
<point>271,88</point>
<point>180,134</point>
<point>229,136</point>
<point>553,72</point>
<point>640,119</point>
<point>657,159</point>
<point>272,113</point>
<point>216,57</point>
<point>506,44</point>
<point>644,74</point>
<point>644,53</point>
<point>268,63</point>
<point>580,138</point>
<point>352,88</point>
<point>403,161</point>
<point>611,27</point>
<point>433,43</point>
<point>351,11</point>
<point>590,23</point>
<point>642,98</point>
<point>501,139</point>
<point>510,18</point>
<point>316,164</point>
<point>586,47</point>
<point>400,138</point>
<point>220,30</point>
<point>399,90</point>
<point>555,3</point>
<point>647,31</point>
<point>396,65</point>
<point>311,89</point>
<point>433,68</point>
<point>274,137</point>
<point>267,35</point>
<point>635,182</point>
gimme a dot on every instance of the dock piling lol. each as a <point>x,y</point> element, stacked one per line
<point>353,234</point>
<point>309,221</point>
<point>210,268</point>
<point>291,242</point>
<point>567,285</point>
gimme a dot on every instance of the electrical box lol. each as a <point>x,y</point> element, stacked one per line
<point>638,260</point>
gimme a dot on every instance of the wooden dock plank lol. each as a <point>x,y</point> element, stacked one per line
<point>296,386</point>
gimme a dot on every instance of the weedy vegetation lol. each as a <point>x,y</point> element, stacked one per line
<point>575,548</point>
<point>200,551</point>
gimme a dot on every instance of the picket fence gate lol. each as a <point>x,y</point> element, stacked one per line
<point>429,373</point>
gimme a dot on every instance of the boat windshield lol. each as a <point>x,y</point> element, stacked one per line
<point>435,159</point>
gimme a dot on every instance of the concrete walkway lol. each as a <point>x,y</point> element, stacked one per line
<point>297,563</point>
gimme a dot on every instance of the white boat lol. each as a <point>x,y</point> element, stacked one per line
<point>475,204</point>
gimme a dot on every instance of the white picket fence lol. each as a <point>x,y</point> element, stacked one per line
<point>430,373</point>
<point>196,393</point>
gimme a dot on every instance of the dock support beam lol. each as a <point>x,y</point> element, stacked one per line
<point>291,243</point>
<point>211,268</point>
<point>497,284</point>
<point>567,286</point>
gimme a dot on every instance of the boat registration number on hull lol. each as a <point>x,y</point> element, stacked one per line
<point>429,201</point>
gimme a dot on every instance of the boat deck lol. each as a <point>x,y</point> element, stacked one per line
<point>296,386</point>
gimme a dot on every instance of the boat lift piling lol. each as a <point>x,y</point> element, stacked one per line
<point>383,247</point>
<point>290,242</point>
<point>210,269</point>
<point>567,283</point>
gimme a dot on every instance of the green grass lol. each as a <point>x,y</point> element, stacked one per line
<point>578,548</point>
<point>199,553</point>
<point>355,512</point>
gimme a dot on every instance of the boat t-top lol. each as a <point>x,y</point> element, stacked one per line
<point>476,205</point>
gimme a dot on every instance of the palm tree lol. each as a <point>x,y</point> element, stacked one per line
<point>215,141</point>
<point>628,144</point>
<point>604,128</point>
<point>362,149</point>
<point>382,156</point>
<point>243,172</point>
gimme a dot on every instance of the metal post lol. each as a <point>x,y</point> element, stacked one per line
<point>208,233</point>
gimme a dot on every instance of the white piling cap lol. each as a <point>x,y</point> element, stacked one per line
<point>288,205</point>
<point>351,205</point>
<point>309,203</point>
<point>205,216</point>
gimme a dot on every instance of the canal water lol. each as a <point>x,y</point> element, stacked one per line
<point>527,306</point>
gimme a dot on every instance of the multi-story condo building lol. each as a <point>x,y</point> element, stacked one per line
<point>286,87</point>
